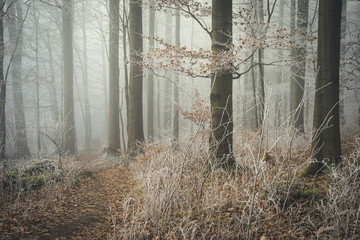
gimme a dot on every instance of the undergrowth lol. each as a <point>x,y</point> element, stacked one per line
<point>265,199</point>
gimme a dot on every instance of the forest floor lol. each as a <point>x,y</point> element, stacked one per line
<point>166,194</point>
<point>86,210</point>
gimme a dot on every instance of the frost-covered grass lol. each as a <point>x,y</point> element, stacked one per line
<point>182,198</point>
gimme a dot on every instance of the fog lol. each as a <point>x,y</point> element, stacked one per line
<point>42,69</point>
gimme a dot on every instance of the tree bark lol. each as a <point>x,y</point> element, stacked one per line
<point>54,101</point>
<point>279,78</point>
<point>87,121</point>
<point>2,90</point>
<point>69,140</point>
<point>342,64</point>
<point>15,23</point>
<point>297,85</point>
<point>326,144</point>
<point>168,77</point>
<point>221,136</point>
<point>260,90</point>
<point>136,131</point>
<point>37,82</point>
<point>151,95</point>
<point>114,128</point>
<point>126,73</point>
<point>176,85</point>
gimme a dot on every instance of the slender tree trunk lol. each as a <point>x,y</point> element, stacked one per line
<point>69,140</point>
<point>221,137</point>
<point>176,85</point>
<point>260,90</point>
<point>136,131</point>
<point>151,95</point>
<point>2,90</point>
<point>114,128</point>
<point>254,102</point>
<point>88,128</point>
<point>16,45</point>
<point>158,110</point>
<point>106,91</point>
<point>326,143</point>
<point>297,85</point>
<point>122,125</point>
<point>279,79</point>
<point>37,82</point>
<point>168,75</point>
<point>292,49</point>
<point>126,73</point>
<point>54,101</point>
<point>342,64</point>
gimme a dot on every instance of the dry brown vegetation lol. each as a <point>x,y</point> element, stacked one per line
<point>175,194</point>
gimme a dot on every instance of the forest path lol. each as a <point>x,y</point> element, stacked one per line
<point>87,210</point>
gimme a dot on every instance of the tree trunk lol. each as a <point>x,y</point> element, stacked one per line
<point>260,90</point>
<point>136,131</point>
<point>37,82</point>
<point>151,95</point>
<point>297,85</point>
<point>54,101</point>
<point>15,23</point>
<point>114,128</point>
<point>221,136</point>
<point>125,29</point>
<point>2,90</point>
<point>279,78</point>
<point>69,140</point>
<point>342,64</point>
<point>326,143</point>
<point>176,85</point>
<point>292,55</point>
<point>88,130</point>
<point>168,77</point>
<point>106,91</point>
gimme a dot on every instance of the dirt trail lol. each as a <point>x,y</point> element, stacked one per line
<point>87,211</point>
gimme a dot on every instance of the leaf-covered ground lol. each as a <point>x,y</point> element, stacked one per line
<point>167,194</point>
<point>84,210</point>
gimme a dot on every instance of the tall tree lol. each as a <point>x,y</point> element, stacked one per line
<point>136,130</point>
<point>326,143</point>
<point>87,120</point>
<point>15,26</point>
<point>221,137</point>
<point>2,87</point>
<point>168,75</point>
<point>260,88</point>
<point>69,139</point>
<point>279,78</point>
<point>114,128</point>
<point>297,84</point>
<point>36,16</point>
<point>150,94</point>
<point>176,80</point>
<point>54,101</point>
<point>342,63</point>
